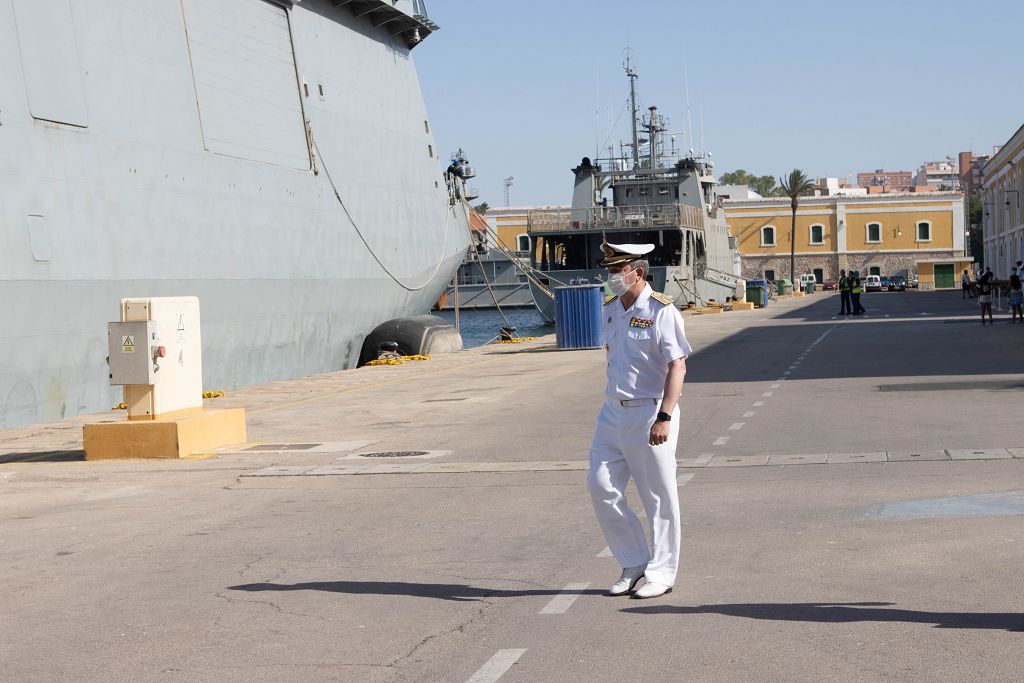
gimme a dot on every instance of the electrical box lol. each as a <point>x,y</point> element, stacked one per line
<point>156,353</point>
<point>130,352</point>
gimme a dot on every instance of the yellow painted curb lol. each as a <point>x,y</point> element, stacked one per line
<point>742,305</point>
<point>165,438</point>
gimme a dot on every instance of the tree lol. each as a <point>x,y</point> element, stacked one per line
<point>975,210</point>
<point>794,186</point>
<point>764,185</point>
<point>481,208</point>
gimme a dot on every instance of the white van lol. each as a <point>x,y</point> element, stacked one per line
<point>807,279</point>
<point>873,283</point>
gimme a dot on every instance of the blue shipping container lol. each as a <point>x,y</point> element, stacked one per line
<point>578,316</point>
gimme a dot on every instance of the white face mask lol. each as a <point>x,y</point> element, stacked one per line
<point>617,283</point>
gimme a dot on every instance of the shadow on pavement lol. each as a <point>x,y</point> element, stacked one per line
<point>831,613</point>
<point>438,591</point>
<point>44,456</point>
<point>916,342</point>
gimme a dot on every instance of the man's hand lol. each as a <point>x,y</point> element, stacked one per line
<point>659,433</point>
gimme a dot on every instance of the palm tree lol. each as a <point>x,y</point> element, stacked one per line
<point>794,186</point>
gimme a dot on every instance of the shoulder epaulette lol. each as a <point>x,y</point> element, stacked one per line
<point>663,298</point>
<point>610,300</point>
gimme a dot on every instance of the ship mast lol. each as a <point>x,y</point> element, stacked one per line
<point>631,73</point>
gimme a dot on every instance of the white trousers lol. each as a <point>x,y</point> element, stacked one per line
<point>621,448</point>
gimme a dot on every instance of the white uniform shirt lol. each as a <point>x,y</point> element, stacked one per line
<point>641,342</point>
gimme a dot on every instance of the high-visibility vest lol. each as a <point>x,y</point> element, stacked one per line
<point>855,283</point>
<point>844,284</point>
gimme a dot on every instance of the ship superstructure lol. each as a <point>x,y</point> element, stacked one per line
<point>659,195</point>
<point>273,158</point>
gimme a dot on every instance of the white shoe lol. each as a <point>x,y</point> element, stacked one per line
<point>651,590</point>
<point>627,582</point>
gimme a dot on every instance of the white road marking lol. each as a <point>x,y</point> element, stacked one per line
<point>775,386</point>
<point>703,458</point>
<point>683,479</point>
<point>886,315</point>
<point>563,601</point>
<point>496,666</point>
<point>767,394</point>
<point>736,426</point>
<point>749,413</point>
<point>721,441</point>
<point>758,404</point>
<point>819,339</point>
<point>607,552</point>
<point>788,372</point>
<point>793,366</point>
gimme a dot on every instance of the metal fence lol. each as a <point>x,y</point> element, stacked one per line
<point>616,218</point>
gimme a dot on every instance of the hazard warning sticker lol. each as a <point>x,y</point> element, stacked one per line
<point>127,344</point>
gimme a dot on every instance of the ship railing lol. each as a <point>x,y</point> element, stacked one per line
<point>600,218</point>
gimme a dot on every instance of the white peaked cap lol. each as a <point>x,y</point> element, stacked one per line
<point>615,254</point>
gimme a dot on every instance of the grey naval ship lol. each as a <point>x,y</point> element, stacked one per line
<point>660,195</point>
<point>272,157</point>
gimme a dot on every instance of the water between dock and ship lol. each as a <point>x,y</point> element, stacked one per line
<point>479,326</point>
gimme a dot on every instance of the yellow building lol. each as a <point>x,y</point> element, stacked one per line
<point>510,225</point>
<point>880,234</point>
<point>1002,220</point>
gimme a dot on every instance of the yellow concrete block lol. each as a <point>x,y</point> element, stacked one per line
<point>165,437</point>
<point>799,293</point>
<point>710,309</point>
<point>742,305</point>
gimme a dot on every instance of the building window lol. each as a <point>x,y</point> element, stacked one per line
<point>523,243</point>
<point>874,233</point>
<point>768,236</point>
<point>817,234</point>
<point>924,231</point>
<point>769,275</point>
<point>819,276</point>
<point>874,270</point>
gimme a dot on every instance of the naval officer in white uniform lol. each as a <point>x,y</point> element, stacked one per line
<point>638,425</point>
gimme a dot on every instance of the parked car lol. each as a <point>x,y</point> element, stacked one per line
<point>873,283</point>
<point>897,283</point>
<point>830,285</point>
<point>885,283</point>
<point>912,282</point>
<point>807,279</point>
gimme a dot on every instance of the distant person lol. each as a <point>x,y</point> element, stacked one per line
<point>844,293</point>
<point>856,289</point>
<point>1016,299</point>
<point>638,426</point>
<point>455,169</point>
<point>965,285</point>
<point>985,295</point>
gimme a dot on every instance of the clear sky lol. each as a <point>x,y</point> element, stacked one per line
<point>829,87</point>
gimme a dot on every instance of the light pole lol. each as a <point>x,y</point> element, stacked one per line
<point>508,185</point>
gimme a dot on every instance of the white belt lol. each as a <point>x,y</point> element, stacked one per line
<point>636,402</point>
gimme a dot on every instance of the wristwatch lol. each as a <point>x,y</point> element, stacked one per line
<point>663,417</point>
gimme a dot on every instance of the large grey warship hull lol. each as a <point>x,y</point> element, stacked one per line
<point>272,158</point>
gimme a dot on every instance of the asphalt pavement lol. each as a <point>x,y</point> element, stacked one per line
<point>852,493</point>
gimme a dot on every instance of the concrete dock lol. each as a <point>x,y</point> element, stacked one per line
<point>852,493</point>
